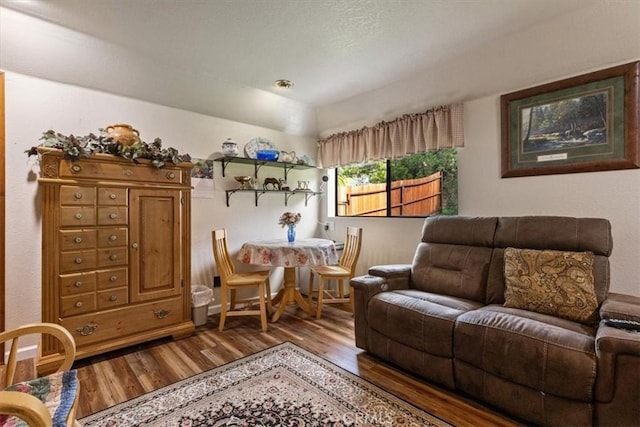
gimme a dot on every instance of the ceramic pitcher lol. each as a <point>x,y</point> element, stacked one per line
<point>230,148</point>
<point>287,157</point>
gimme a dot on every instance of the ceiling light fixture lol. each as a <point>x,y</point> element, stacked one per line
<point>284,84</point>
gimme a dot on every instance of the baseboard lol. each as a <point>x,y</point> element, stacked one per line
<point>28,352</point>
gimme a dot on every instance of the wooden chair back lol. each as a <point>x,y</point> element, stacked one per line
<point>14,335</point>
<point>351,251</point>
<point>221,254</point>
<point>27,401</point>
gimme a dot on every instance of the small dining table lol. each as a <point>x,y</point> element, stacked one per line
<point>290,255</point>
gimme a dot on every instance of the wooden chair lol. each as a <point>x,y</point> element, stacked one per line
<point>232,281</point>
<point>46,401</point>
<point>342,272</point>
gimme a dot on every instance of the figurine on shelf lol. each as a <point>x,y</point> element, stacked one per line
<point>284,185</point>
<point>271,184</point>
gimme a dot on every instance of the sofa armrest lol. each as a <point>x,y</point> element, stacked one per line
<point>618,373</point>
<point>397,276</point>
<point>619,306</point>
<point>618,353</point>
<point>617,341</point>
<point>364,288</point>
<point>391,271</point>
<point>380,279</point>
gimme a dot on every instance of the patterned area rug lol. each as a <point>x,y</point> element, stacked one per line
<point>281,386</point>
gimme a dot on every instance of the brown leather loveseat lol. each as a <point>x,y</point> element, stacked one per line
<point>444,318</point>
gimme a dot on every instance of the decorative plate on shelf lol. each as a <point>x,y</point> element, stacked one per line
<point>251,148</point>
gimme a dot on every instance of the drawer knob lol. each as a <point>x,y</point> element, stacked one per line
<point>78,196</point>
<point>171,175</point>
<point>113,257</point>
<point>112,196</point>
<point>78,260</point>
<point>113,278</point>
<point>128,172</point>
<point>78,284</point>
<point>113,215</point>
<point>76,168</point>
<point>161,314</point>
<point>113,237</point>
<point>113,298</point>
<point>79,304</point>
<point>78,216</point>
<point>78,240</point>
<point>87,329</point>
<point>134,245</point>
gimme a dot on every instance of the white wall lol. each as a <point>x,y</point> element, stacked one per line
<point>34,106</point>
<point>613,195</point>
<point>592,38</point>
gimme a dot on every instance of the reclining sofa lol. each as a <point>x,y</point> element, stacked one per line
<point>512,312</point>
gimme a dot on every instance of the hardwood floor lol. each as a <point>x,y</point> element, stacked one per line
<point>118,376</point>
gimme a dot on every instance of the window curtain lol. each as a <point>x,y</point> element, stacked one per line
<point>437,128</point>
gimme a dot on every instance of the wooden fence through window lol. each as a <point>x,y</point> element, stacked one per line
<point>410,197</point>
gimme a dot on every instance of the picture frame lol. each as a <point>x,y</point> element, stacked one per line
<point>581,124</point>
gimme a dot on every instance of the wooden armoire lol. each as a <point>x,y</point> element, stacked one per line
<point>115,251</point>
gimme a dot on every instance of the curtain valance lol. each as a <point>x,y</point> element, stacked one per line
<point>440,127</point>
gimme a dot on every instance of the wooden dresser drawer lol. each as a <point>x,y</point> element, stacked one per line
<point>112,237</point>
<point>77,304</point>
<point>120,171</point>
<point>112,196</point>
<point>113,298</point>
<point>77,260</point>
<point>119,322</point>
<point>77,216</point>
<point>115,215</point>
<point>112,257</point>
<point>78,283</point>
<point>75,195</point>
<point>71,240</point>
<point>113,278</point>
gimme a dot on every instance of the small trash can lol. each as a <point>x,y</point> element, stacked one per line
<point>201,297</point>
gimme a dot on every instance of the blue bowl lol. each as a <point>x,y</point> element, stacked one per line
<point>267,154</point>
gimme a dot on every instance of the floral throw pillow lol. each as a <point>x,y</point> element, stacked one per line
<point>551,282</point>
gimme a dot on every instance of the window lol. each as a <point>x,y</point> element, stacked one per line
<point>414,186</point>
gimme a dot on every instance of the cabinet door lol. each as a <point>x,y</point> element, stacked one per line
<point>155,244</point>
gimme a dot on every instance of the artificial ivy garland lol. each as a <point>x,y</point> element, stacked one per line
<point>76,147</point>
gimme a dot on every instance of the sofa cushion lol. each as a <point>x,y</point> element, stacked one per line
<point>555,232</point>
<point>417,319</point>
<point>459,230</point>
<point>531,349</point>
<point>559,283</point>
<point>454,270</point>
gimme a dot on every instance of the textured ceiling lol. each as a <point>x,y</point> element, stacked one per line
<point>221,57</point>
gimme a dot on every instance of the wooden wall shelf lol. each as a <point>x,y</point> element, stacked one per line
<point>287,194</point>
<point>257,164</point>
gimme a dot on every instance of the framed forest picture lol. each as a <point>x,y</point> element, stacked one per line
<point>581,124</point>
